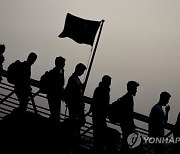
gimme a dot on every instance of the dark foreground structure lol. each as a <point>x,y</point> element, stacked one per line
<point>25,132</point>
<point>33,132</point>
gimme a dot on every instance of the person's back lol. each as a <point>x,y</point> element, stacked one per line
<point>99,108</point>
<point>127,124</point>
<point>23,77</point>
<point>157,117</point>
<point>56,78</point>
<point>156,121</point>
<point>22,83</point>
<point>73,98</point>
<point>128,109</point>
<point>100,100</point>
<point>55,89</point>
<point>100,103</point>
<point>74,91</point>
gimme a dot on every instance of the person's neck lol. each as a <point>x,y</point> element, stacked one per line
<point>128,93</point>
<point>58,68</point>
<point>160,103</point>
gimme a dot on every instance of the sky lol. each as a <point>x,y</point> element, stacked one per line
<point>139,41</point>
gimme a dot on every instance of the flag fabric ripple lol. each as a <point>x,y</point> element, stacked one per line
<point>80,30</point>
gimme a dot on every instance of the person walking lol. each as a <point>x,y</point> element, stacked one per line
<point>73,98</point>
<point>55,90</point>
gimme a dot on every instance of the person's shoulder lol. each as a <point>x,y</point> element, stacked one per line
<point>127,97</point>
<point>53,71</point>
<point>71,79</point>
<point>97,89</point>
<point>156,109</point>
<point>23,64</point>
<point>72,76</point>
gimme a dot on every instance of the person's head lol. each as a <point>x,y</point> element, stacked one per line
<point>31,58</point>
<point>132,87</point>
<point>164,98</point>
<point>60,62</point>
<point>106,80</point>
<point>2,48</point>
<point>80,68</point>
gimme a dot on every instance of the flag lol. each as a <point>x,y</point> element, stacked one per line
<point>80,30</point>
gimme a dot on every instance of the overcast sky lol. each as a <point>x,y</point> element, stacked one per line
<point>139,41</point>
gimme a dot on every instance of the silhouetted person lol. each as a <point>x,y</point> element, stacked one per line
<point>22,83</point>
<point>127,124</point>
<point>158,118</point>
<point>99,109</point>
<point>73,97</point>
<point>2,50</point>
<point>56,88</point>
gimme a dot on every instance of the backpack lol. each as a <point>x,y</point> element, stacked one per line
<point>44,82</point>
<point>13,71</point>
<point>116,110</point>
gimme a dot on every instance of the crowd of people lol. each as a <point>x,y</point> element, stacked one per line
<point>72,94</point>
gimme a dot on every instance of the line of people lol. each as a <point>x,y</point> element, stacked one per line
<point>99,108</point>
<point>158,117</point>
<point>72,94</point>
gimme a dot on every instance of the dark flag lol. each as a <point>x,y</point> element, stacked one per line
<point>80,30</point>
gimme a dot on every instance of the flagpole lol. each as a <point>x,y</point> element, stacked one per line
<point>92,57</point>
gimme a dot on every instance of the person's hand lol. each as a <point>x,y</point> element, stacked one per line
<point>167,108</point>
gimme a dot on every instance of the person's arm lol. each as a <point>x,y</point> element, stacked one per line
<point>167,109</point>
